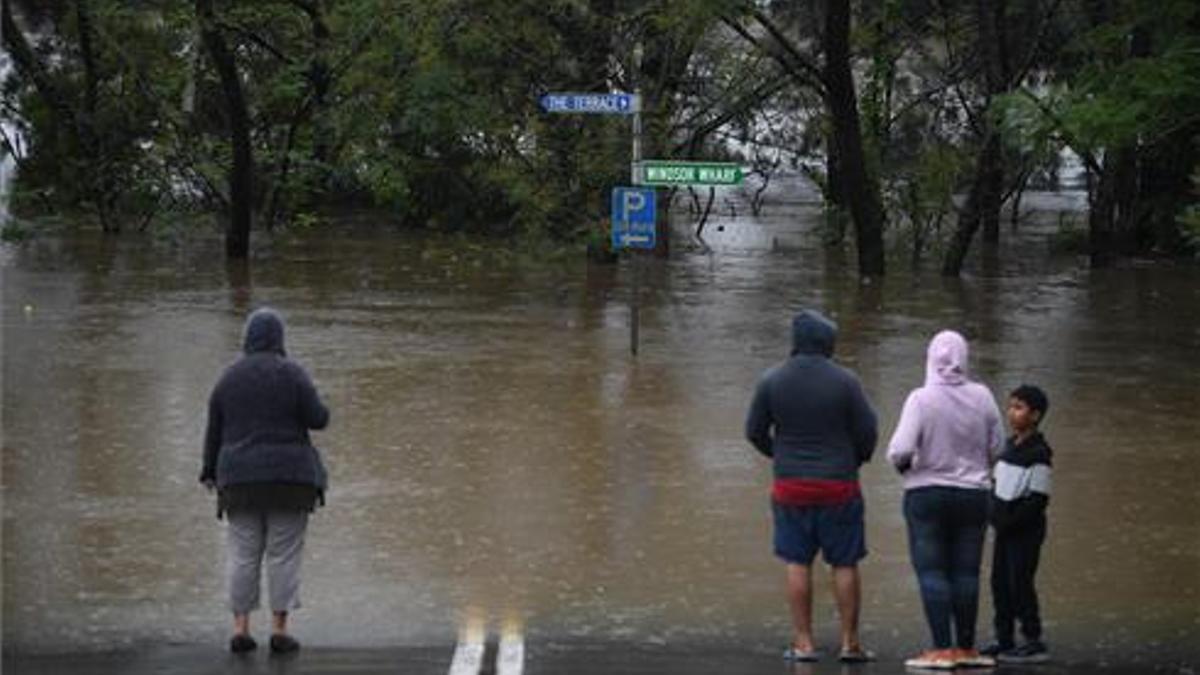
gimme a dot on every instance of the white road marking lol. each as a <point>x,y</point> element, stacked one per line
<point>468,654</point>
<point>510,659</point>
<point>468,659</point>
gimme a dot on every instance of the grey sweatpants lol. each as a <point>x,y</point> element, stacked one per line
<point>279,535</point>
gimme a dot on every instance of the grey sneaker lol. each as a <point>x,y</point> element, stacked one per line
<point>1031,652</point>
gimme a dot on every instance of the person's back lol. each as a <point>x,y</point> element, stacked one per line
<point>260,413</point>
<point>945,440</point>
<point>809,414</point>
<point>269,477</point>
<point>949,430</point>
<point>811,417</point>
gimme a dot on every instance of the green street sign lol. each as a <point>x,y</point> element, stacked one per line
<point>662,172</point>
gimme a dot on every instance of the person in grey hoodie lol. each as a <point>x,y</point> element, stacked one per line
<point>948,437</point>
<point>269,477</point>
<point>810,416</point>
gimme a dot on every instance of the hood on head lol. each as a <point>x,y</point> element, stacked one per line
<point>812,333</point>
<point>263,332</point>
<point>946,360</point>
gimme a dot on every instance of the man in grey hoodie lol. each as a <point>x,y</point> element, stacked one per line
<point>811,417</point>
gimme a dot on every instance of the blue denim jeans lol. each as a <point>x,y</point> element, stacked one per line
<point>946,528</point>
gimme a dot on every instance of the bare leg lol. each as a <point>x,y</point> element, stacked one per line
<point>241,624</point>
<point>799,592</point>
<point>279,623</point>
<point>848,592</point>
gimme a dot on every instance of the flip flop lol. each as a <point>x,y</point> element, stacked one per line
<point>859,655</point>
<point>799,655</point>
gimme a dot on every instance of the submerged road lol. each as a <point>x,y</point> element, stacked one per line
<point>494,446</point>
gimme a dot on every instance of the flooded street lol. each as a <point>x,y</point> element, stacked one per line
<point>496,454</point>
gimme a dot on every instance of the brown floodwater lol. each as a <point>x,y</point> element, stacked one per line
<point>496,453</point>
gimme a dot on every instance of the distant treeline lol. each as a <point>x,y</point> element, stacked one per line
<point>272,112</point>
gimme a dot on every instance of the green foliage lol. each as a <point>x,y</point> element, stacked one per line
<point>1189,220</point>
<point>923,193</point>
<point>1071,234</point>
<point>428,109</point>
<point>14,232</point>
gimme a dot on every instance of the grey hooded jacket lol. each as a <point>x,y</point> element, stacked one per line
<point>260,413</point>
<point>809,414</point>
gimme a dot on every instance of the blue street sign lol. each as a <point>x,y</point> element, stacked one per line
<point>633,217</point>
<point>600,104</point>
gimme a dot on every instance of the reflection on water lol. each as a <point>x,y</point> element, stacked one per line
<point>496,452</point>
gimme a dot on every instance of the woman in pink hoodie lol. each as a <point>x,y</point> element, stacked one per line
<point>948,436</point>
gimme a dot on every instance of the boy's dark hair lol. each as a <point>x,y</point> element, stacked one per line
<point>1033,397</point>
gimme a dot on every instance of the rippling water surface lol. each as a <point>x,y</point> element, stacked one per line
<point>496,452</point>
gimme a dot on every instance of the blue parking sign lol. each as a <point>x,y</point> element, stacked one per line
<point>633,214</point>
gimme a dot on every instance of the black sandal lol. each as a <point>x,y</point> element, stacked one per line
<point>284,644</point>
<point>240,644</point>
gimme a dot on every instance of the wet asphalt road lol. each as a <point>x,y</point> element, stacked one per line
<point>544,659</point>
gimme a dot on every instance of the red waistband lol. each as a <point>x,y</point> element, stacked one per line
<point>814,491</point>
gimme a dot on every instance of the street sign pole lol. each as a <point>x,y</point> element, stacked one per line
<point>635,171</point>
<point>633,301</point>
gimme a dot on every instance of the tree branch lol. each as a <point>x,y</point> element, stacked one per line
<point>805,76</point>
<point>28,64</point>
<point>799,58</point>
<point>1088,157</point>
<point>760,93</point>
<point>1023,72</point>
<point>255,38</point>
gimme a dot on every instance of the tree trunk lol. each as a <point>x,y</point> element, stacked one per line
<point>241,176</point>
<point>979,198</point>
<point>104,192</point>
<point>859,188</point>
<point>1166,184</point>
<point>1101,216</point>
<point>1125,191</point>
<point>990,15</point>
<point>83,23</point>
<point>660,75</point>
<point>835,195</point>
<point>321,77</point>
<point>986,197</point>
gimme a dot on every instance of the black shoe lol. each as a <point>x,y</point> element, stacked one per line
<point>1031,652</point>
<point>995,649</point>
<point>240,644</point>
<point>284,644</point>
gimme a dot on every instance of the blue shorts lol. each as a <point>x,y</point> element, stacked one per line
<point>837,531</point>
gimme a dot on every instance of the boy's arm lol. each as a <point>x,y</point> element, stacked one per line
<point>1033,505</point>
<point>758,420</point>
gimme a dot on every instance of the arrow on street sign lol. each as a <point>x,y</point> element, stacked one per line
<point>663,172</point>
<point>597,104</point>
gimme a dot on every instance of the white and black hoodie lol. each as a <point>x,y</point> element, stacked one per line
<point>1022,485</point>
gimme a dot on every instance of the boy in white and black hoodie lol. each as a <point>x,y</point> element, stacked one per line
<point>1019,498</point>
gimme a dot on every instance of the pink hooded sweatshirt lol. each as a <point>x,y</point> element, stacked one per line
<point>949,433</point>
